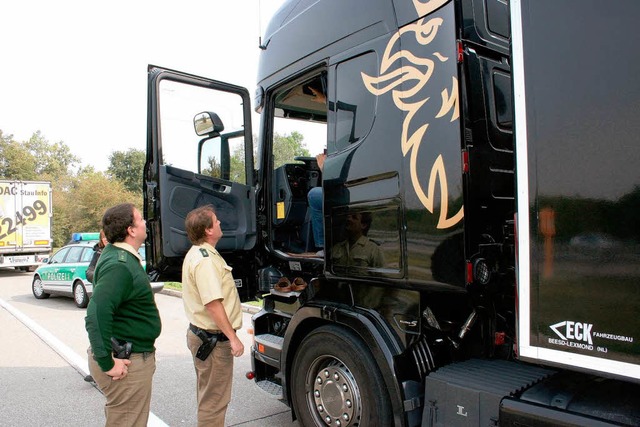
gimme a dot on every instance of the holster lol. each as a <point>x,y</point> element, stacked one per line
<point>121,349</point>
<point>209,342</point>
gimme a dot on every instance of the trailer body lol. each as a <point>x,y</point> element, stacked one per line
<point>25,224</point>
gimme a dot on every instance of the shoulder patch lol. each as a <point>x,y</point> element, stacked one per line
<point>204,252</point>
<point>122,257</point>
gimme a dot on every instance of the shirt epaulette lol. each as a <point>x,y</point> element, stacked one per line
<point>204,252</point>
<point>122,256</point>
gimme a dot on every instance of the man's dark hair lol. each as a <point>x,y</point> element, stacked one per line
<point>116,220</point>
<point>366,219</point>
<point>197,221</point>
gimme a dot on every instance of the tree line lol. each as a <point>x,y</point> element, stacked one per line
<point>80,193</point>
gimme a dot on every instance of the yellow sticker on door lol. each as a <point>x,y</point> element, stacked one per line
<point>280,210</point>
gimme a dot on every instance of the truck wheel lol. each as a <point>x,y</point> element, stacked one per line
<point>336,382</point>
<point>80,295</point>
<point>38,289</point>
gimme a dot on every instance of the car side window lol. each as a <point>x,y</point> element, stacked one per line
<point>59,256</point>
<point>74,254</point>
<point>87,254</point>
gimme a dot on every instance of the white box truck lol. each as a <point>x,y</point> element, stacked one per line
<point>25,223</point>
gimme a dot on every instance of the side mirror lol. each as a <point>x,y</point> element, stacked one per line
<point>207,123</point>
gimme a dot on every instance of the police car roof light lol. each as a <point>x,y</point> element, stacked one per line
<point>83,237</point>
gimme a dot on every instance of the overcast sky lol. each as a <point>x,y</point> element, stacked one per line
<point>77,70</point>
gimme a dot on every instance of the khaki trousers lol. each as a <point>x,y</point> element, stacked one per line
<point>128,399</point>
<point>213,376</point>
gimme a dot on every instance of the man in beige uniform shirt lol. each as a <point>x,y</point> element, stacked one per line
<point>212,305</point>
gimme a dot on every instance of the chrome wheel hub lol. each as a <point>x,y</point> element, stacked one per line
<point>336,396</point>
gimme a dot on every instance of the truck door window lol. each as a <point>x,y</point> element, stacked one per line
<point>354,108</point>
<point>299,134</point>
<point>300,121</point>
<point>223,157</point>
<point>178,104</point>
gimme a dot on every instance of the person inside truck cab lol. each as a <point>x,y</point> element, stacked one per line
<point>314,198</point>
<point>315,195</point>
<point>318,94</point>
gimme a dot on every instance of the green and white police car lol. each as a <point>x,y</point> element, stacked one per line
<point>66,272</point>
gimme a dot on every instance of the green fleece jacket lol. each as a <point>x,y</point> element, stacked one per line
<point>122,306</point>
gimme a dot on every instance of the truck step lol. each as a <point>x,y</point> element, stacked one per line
<point>272,341</point>
<point>271,388</point>
<point>270,347</point>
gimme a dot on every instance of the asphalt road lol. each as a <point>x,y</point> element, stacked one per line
<point>43,362</point>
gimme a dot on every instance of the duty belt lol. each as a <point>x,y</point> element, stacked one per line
<point>221,337</point>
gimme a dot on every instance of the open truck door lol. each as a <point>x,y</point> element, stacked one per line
<point>199,152</point>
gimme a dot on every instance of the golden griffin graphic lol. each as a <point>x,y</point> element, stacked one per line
<point>406,80</point>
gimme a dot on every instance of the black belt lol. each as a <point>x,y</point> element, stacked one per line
<point>221,337</point>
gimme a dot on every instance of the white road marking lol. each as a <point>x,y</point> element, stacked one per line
<point>77,362</point>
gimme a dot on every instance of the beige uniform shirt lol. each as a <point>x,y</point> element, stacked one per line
<point>363,253</point>
<point>207,277</point>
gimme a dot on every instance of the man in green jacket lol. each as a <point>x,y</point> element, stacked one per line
<point>123,307</point>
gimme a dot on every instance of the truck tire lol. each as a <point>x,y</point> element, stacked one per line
<point>80,295</point>
<point>336,382</point>
<point>38,289</point>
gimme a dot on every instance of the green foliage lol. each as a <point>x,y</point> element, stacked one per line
<point>237,170</point>
<point>51,160</point>
<point>214,168</point>
<point>127,167</point>
<point>177,286</point>
<point>80,207</point>
<point>36,159</point>
<point>286,147</point>
<point>91,195</point>
<point>15,163</point>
